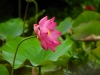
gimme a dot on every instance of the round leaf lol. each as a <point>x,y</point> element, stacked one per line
<point>11,28</point>
<point>85,17</point>
<point>85,30</point>
<point>32,50</point>
<point>65,25</point>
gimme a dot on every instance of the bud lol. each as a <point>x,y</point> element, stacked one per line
<point>92,8</point>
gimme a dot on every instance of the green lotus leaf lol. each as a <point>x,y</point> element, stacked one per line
<point>31,49</point>
<point>88,31</point>
<point>11,28</point>
<point>65,25</point>
<point>85,17</point>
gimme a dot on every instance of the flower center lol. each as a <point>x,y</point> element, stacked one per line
<point>48,32</point>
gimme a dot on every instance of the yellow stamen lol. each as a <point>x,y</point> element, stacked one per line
<point>48,32</point>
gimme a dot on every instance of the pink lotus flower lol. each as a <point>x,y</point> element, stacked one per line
<point>47,34</point>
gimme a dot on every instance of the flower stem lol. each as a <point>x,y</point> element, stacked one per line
<point>12,71</point>
<point>25,18</point>
<point>39,70</point>
<point>36,10</point>
<point>19,8</point>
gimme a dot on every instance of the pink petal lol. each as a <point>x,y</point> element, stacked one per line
<point>53,19</point>
<point>55,34</point>
<point>51,40</point>
<point>52,26</point>
<point>56,43</point>
<point>44,33</point>
<point>44,45</point>
<point>33,71</point>
<point>36,28</point>
<point>42,21</point>
<point>52,47</point>
<point>46,23</point>
<point>52,43</point>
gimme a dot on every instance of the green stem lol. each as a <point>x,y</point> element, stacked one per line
<point>19,8</point>
<point>39,70</point>
<point>25,18</point>
<point>36,12</point>
<point>12,71</point>
<point>95,42</point>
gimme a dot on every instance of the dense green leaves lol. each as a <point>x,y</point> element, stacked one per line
<point>11,28</point>
<point>95,54</point>
<point>85,17</point>
<point>32,50</point>
<point>3,70</point>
